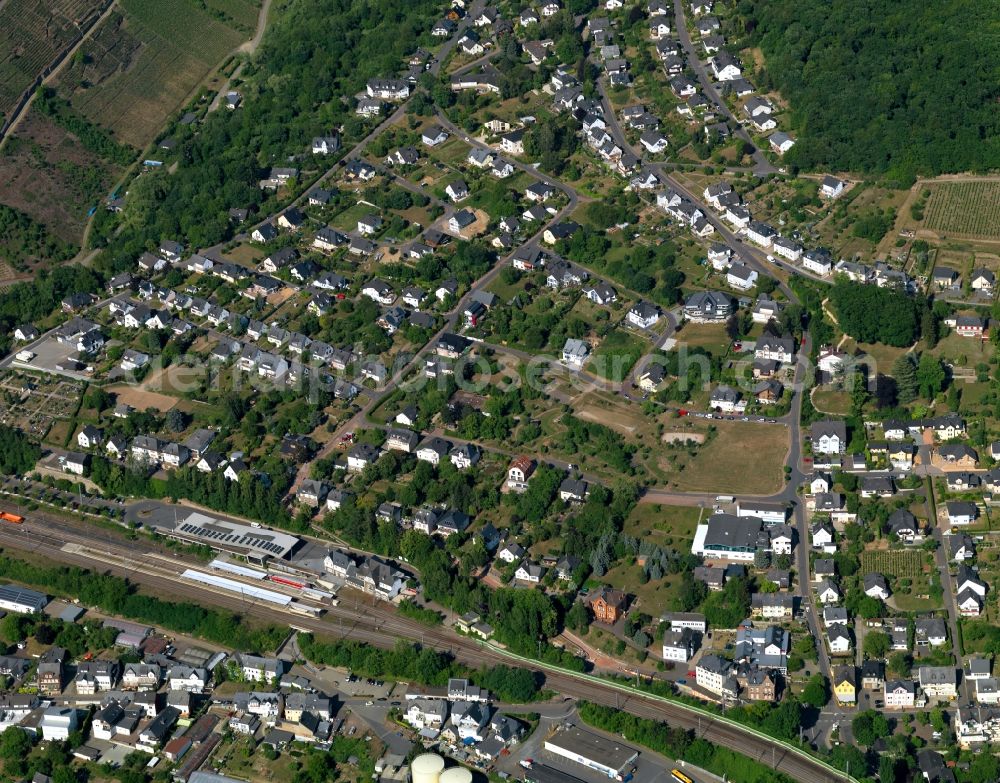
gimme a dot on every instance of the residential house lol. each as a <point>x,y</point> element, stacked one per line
<point>608,605</point>
<point>900,694</point>
<point>938,682</point>
<point>845,685</point>
<point>643,315</point>
<point>530,572</point>
<point>961,512</point>
<point>519,473</point>
<point>829,437</point>
<point>679,645</point>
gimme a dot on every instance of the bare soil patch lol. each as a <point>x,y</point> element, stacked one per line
<point>683,437</point>
<point>46,173</point>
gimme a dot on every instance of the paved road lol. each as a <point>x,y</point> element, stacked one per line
<point>451,321</point>
<point>948,588</point>
<point>762,165</point>
<point>378,624</point>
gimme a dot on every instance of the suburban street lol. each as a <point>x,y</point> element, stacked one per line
<point>762,165</point>
<point>378,624</point>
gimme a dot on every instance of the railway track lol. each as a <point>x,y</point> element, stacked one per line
<point>375,623</point>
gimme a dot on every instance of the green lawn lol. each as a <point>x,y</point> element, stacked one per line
<point>348,219</point>
<point>964,351</point>
<point>615,356</point>
<point>833,401</point>
<point>666,525</point>
<point>711,337</point>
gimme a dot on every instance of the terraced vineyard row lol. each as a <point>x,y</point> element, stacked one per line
<point>968,208</point>
<point>32,33</point>
<point>900,563</point>
<point>146,59</point>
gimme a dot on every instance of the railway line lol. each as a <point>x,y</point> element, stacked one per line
<point>372,622</point>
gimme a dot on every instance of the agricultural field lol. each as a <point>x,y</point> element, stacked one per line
<point>143,62</point>
<point>32,34</point>
<point>970,208</point>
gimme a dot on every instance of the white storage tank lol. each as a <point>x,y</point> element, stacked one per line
<point>456,775</point>
<point>427,768</point>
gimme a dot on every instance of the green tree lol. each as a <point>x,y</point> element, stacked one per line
<point>175,420</point>
<point>985,768</point>
<point>930,376</point>
<point>900,664</point>
<point>99,399</point>
<point>817,692</point>
<point>875,315</point>
<point>728,607</point>
<point>887,769</point>
<point>868,726</point>
<point>876,644</point>
<point>905,374</point>
<point>510,684</point>
<point>578,617</point>
<point>15,744</point>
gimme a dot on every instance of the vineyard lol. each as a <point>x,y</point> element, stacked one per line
<point>900,563</point>
<point>143,63</point>
<point>967,208</point>
<point>32,34</point>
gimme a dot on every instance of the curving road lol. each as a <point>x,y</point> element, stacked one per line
<point>376,623</point>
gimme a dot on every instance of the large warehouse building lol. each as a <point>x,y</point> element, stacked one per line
<point>604,755</point>
<point>21,599</point>
<point>256,544</point>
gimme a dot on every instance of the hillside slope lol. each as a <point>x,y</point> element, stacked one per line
<point>899,87</point>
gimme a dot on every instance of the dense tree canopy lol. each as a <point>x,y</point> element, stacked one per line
<point>871,314</point>
<point>904,88</point>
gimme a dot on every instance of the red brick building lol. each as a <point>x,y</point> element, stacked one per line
<point>608,605</point>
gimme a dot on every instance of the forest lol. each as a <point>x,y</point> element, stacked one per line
<point>898,89</point>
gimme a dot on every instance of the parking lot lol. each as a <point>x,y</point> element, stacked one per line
<point>48,354</point>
